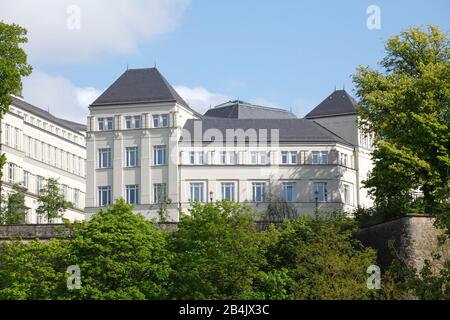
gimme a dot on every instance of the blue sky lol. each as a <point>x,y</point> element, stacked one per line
<point>289,54</point>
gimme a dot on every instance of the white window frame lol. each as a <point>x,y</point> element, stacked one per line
<point>231,186</point>
<point>159,192</point>
<point>128,192</point>
<point>100,191</point>
<point>255,187</point>
<point>128,158</point>
<point>192,191</point>
<point>286,186</point>
<point>322,191</point>
<point>160,159</point>
<point>102,152</point>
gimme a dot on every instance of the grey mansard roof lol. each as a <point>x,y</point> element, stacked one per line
<point>139,86</point>
<point>243,110</point>
<point>337,103</point>
<point>74,126</point>
<point>290,130</point>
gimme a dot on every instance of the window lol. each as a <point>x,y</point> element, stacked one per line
<point>294,157</point>
<point>132,194</point>
<point>133,122</point>
<point>165,120</point>
<point>39,184</point>
<point>320,191</point>
<point>344,159</point>
<point>76,198</point>
<point>160,120</point>
<point>227,157</point>
<point>258,190</point>
<point>228,191</point>
<point>104,196</point>
<point>7,134</point>
<point>196,157</point>
<point>11,172</point>
<point>289,191</point>
<point>128,122</point>
<point>109,122</point>
<point>137,122</point>
<point>26,179</point>
<point>16,138</point>
<point>258,157</point>
<point>103,124</point>
<point>159,155</point>
<point>347,199</point>
<point>284,157</point>
<point>131,157</point>
<point>320,157</point>
<point>197,192</point>
<point>159,192</point>
<point>104,158</point>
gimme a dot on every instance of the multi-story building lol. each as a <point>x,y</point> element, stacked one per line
<point>38,146</point>
<point>145,144</point>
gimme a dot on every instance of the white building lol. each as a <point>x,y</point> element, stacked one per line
<point>144,141</point>
<point>38,146</point>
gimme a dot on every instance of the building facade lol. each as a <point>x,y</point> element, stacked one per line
<point>146,145</point>
<point>39,146</point>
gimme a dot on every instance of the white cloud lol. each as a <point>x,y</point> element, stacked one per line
<point>60,96</point>
<point>199,98</point>
<point>105,25</point>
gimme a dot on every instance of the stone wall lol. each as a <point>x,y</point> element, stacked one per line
<point>33,231</point>
<point>414,238</point>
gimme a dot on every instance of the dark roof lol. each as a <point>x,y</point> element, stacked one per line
<point>73,126</point>
<point>139,86</point>
<point>238,109</point>
<point>337,103</point>
<point>289,129</point>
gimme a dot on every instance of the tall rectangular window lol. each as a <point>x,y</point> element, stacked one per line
<point>164,120</point>
<point>109,123</point>
<point>258,157</point>
<point>16,138</point>
<point>132,194</point>
<point>7,134</point>
<point>254,157</point>
<point>320,191</point>
<point>11,172</point>
<point>197,192</point>
<point>131,157</point>
<point>159,155</point>
<point>128,122</point>
<point>104,196</point>
<point>196,157</point>
<point>101,124</point>
<point>324,157</point>
<point>76,198</point>
<point>284,157</point>
<point>347,194</point>
<point>39,184</point>
<point>159,193</point>
<point>258,190</point>
<point>26,179</point>
<point>344,159</point>
<point>228,191</point>
<point>104,158</point>
<point>289,191</point>
<point>137,122</point>
<point>294,157</point>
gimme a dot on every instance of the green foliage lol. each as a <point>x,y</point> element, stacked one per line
<point>35,270</point>
<point>121,256</point>
<point>407,107</point>
<point>322,260</point>
<point>15,211</point>
<point>218,253</point>
<point>13,66</point>
<point>52,203</point>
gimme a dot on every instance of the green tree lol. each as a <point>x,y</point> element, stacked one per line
<point>121,256</point>
<point>14,211</point>
<point>13,66</point>
<point>406,106</point>
<point>51,202</point>
<point>320,260</point>
<point>218,253</point>
<point>35,270</point>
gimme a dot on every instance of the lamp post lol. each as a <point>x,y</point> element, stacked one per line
<point>210,196</point>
